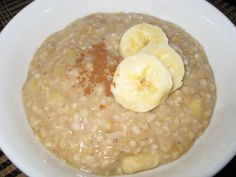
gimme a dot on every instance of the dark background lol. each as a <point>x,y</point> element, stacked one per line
<point>8,9</point>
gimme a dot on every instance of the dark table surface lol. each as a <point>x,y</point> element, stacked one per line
<point>9,8</point>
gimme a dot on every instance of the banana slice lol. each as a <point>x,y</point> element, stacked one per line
<point>139,162</point>
<point>138,36</point>
<point>171,59</point>
<point>141,82</point>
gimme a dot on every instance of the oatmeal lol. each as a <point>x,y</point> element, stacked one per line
<point>72,111</point>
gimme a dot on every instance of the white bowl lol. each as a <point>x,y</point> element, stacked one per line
<point>23,35</point>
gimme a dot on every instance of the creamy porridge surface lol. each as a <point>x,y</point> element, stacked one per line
<point>71,109</point>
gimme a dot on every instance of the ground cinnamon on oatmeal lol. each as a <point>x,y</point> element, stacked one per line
<point>97,75</point>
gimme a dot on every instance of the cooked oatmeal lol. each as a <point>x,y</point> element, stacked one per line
<point>72,111</point>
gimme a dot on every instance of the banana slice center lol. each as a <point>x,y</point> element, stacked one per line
<point>144,85</point>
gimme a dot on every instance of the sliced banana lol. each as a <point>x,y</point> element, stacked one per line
<point>138,36</point>
<point>139,162</point>
<point>141,82</point>
<point>170,58</point>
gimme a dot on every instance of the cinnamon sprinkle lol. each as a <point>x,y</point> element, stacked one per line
<point>97,75</point>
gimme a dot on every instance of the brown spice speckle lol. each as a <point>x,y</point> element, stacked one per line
<point>102,107</point>
<point>97,75</point>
